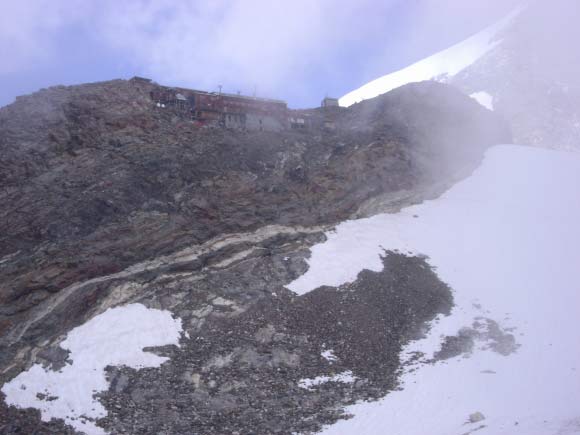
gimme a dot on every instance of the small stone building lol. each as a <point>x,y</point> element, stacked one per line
<point>329,102</point>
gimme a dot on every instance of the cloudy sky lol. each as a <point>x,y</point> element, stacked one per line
<point>298,50</point>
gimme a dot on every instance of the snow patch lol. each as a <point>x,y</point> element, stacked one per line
<point>484,99</point>
<point>329,355</point>
<point>506,241</point>
<point>116,337</point>
<point>344,377</point>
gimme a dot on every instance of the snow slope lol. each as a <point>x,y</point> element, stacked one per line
<point>116,337</point>
<point>507,242</point>
<point>438,66</point>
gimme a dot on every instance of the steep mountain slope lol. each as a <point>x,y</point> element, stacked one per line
<point>527,64</point>
<point>116,209</point>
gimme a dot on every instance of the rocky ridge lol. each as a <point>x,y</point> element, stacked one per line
<point>109,200</point>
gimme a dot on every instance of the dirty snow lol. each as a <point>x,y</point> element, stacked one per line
<point>439,66</point>
<point>484,99</point>
<point>116,337</point>
<point>507,241</point>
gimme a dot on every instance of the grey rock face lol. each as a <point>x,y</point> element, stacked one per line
<point>108,200</point>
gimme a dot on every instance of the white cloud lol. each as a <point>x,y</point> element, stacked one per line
<point>28,29</point>
<point>243,43</point>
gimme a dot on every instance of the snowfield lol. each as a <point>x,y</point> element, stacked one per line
<point>439,66</point>
<point>116,337</point>
<point>507,241</point>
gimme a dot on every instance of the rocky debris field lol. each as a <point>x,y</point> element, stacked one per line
<point>244,365</point>
<point>256,358</point>
<point>109,200</point>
